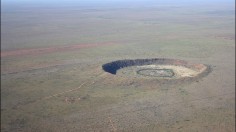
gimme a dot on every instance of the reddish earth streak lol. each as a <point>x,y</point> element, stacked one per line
<point>49,49</point>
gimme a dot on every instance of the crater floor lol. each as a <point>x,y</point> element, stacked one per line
<point>150,71</point>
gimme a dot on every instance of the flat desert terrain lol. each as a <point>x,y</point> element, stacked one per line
<point>52,57</point>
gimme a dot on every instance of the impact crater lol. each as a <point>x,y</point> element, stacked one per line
<point>160,68</point>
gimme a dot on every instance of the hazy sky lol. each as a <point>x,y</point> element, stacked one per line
<point>12,4</point>
<point>113,1</point>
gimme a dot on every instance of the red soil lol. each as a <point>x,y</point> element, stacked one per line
<point>34,51</point>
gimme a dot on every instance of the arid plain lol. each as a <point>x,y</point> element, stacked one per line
<point>52,77</point>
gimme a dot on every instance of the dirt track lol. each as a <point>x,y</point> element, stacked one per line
<point>35,51</point>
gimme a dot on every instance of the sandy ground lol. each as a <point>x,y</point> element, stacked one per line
<point>180,71</point>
